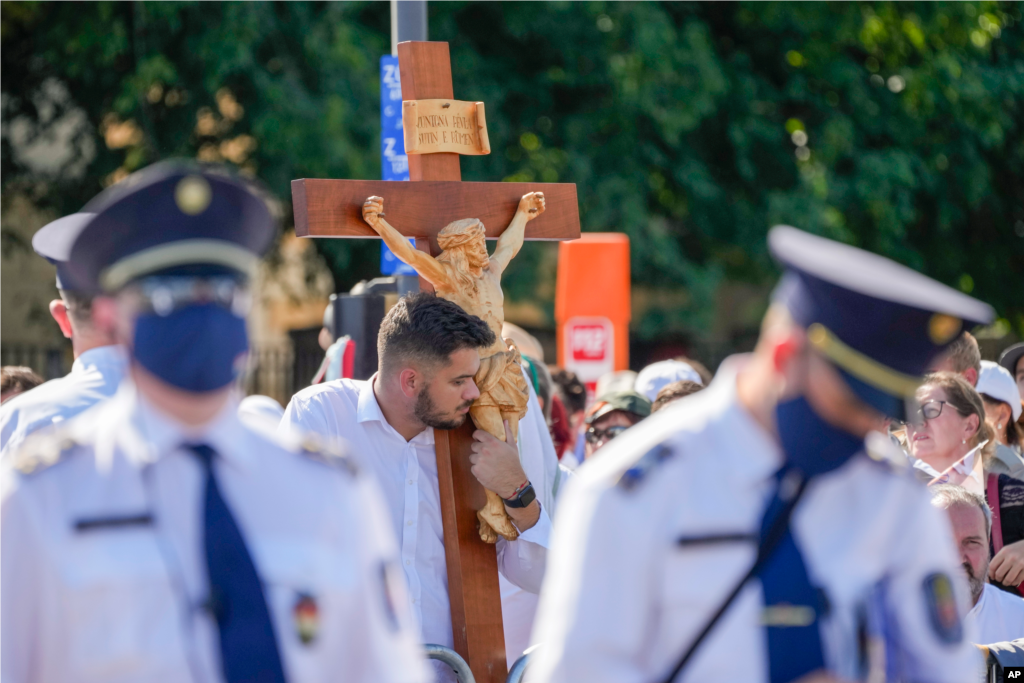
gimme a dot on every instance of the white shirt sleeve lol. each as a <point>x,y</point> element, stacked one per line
<point>523,560</point>
<point>20,569</point>
<point>596,640</point>
<point>931,640</point>
<point>298,418</point>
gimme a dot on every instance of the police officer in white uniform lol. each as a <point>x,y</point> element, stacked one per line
<point>99,365</point>
<point>756,531</point>
<point>157,538</point>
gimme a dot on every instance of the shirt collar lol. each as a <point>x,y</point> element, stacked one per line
<point>152,433</point>
<point>112,357</point>
<point>368,410</point>
<point>1008,456</point>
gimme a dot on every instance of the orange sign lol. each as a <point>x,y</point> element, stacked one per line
<point>592,305</point>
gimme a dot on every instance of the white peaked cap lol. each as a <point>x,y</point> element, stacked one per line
<point>996,381</point>
<point>656,376</point>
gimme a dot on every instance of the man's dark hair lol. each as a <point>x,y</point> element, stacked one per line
<point>426,329</point>
<point>18,378</point>
<point>674,392</point>
<point>78,305</point>
<point>573,393</point>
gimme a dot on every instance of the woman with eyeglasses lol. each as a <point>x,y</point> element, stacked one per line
<point>948,436</point>
<point>951,442</point>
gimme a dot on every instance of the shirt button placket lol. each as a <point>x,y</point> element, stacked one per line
<point>409,533</point>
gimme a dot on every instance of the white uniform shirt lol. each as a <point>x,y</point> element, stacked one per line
<point>623,600</point>
<point>94,376</point>
<point>124,603</point>
<point>540,462</point>
<point>998,616</point>
<point>347,409</point>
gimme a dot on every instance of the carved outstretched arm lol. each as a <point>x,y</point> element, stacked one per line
<point>422,263</point>
<point>511,241</point>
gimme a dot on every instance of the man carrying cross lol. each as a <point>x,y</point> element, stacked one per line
<point>451,563</point>
<point>467,276</point>
<point>429,352</point>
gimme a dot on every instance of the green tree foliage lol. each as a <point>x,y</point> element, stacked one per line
<point>692,127</point>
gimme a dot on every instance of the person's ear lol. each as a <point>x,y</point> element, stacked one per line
<point>411,382</point>
<point>786,348</point>
<point>59,311</point>
<point>971,426</point>
<point>325,338</point>
<point>1004,414</point>
<point>971,375</point>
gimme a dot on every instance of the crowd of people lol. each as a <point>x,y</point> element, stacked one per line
<point>844,503</point>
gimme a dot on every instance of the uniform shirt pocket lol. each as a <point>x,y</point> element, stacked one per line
<point>310,589</point>
<point>122,617</point>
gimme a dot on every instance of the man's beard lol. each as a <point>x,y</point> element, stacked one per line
<point>427,413</point>
<point>977,585</point>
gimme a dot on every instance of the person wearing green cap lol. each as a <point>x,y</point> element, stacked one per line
<point>613,414</point>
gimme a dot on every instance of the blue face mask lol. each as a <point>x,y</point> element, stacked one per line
<point>811,444</point>
<point>196,348</point>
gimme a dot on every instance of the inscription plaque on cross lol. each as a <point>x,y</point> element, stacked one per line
<point>420,209</point>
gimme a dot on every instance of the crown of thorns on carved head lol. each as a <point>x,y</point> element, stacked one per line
<point>460,233</point>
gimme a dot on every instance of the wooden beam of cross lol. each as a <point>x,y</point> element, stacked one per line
<point>333,208</point>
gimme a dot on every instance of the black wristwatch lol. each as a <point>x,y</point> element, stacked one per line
<point>525,496</point>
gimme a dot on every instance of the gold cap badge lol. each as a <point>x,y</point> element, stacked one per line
<point>943,328</point>
<point>192,195</point>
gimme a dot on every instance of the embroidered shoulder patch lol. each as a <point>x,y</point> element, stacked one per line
<point>328,453</point>
<point>648,461</point>
<point>942,611</point>
<point>43,451</point>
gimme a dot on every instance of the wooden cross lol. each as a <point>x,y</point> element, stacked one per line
<point>333,208</point>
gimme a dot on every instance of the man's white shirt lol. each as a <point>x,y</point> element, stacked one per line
<point>347,409</point>
<point>623,599</point>
<point>518,606</point>
<point>998,616</point>
<point>95,376</point>
<point>86,600</point>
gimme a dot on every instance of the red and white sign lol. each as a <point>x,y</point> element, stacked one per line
<point>590,348</point>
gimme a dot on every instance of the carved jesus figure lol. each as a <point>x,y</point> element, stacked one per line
<point>465,274</point>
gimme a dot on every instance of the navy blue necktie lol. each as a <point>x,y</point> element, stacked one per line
<point>247,643</point>
<point>793,606</point>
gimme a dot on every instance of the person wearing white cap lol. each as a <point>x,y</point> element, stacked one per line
<point>655,376</point>
<point>1002,411</point>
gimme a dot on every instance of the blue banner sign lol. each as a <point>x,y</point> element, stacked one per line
<point>394,163</point>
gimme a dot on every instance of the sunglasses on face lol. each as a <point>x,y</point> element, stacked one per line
<point>596,436</point>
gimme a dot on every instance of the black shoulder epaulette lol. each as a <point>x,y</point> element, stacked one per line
<point>42,451</point>
<point>629,479</point>
<point>328,453</point>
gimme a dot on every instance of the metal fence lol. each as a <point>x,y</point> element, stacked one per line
<point>277,371</point>
<point>281,371</point>
<point>48,362</point>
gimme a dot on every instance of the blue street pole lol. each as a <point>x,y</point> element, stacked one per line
<point>408,22</point>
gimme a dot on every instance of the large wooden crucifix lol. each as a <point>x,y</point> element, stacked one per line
<point>420,209</point>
